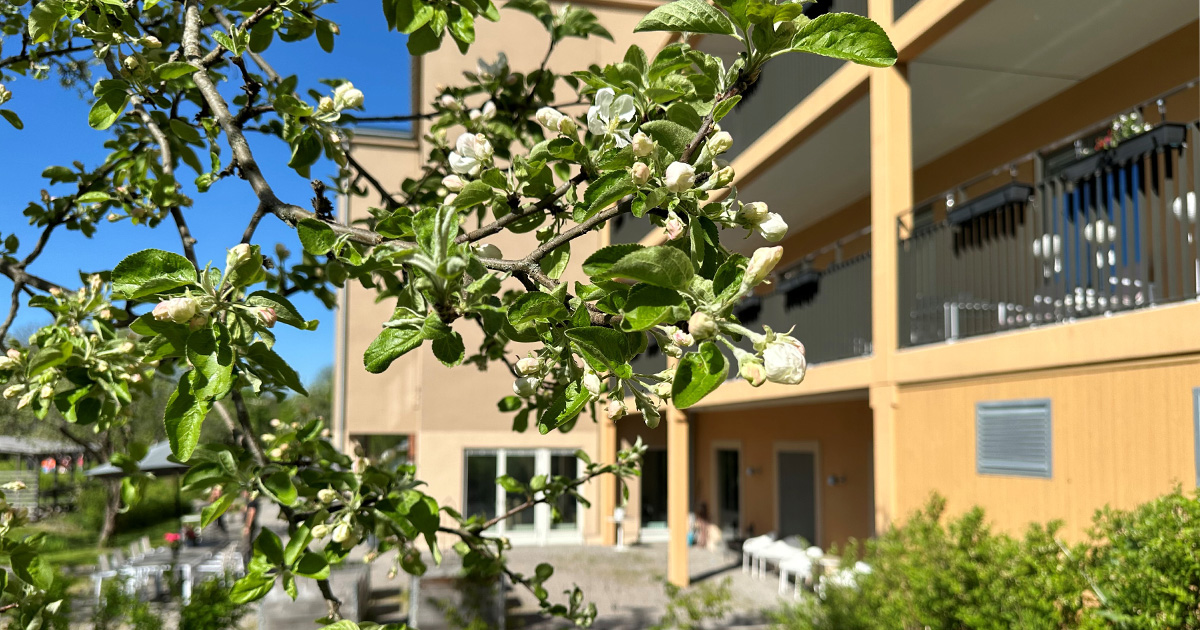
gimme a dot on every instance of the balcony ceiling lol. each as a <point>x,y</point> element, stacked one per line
<point>1013,54</point>
<point>826,173</point>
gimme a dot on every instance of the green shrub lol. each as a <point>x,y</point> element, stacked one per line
<point>1139,569</point>
<point>155,505</point>
<point>690,608</point>
<point>120,610</point>
<point>210,608</point>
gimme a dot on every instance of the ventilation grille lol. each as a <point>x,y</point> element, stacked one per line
<point>1013,438</point>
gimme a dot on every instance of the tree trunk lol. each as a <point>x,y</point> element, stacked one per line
<point>111,506</point>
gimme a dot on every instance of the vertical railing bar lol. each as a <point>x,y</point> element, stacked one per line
<point>1158,240</point>
<point>1194,217</point>
<point>1137,189</point>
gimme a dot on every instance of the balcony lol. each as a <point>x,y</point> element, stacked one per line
<point>1076,232</point>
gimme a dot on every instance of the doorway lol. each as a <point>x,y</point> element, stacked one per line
<point>797,491</point>
<point>727,489</point>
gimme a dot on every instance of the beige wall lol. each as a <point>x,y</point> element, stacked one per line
<point>1121,434</point>
<point>842,431</point>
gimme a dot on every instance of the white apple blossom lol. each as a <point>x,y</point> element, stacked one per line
<point>784,360</point>
<point>616,409</point>
<point>488,111</point>
<point>680,177</point>
<point>449,102</point>
<point>529,365</point>
<point>719,143</point>
<point>471,152</point>
<point>549,118</point>
<point>609,114</point>
<point>642,144</point>
<point>702,325</point>
<point>488,71</point>
<point>526,386</point>
<point>453,183</point>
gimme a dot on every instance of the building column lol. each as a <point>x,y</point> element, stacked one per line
<point>891,197</point>
<point>608,483</point>
<point>678,493</point>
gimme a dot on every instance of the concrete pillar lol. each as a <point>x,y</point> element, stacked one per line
<point>608,483</point>
<point>891,196</point>
<point>678,493</point>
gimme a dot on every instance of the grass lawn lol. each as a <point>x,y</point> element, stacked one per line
<point>71,543</point>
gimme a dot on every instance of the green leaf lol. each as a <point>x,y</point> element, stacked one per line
<point>12,118</point>
<point>112,96</point>
<point>31,567</point>
<point>269,546</point>
<point>284,310</point>
<point>266,358</point>
<point>316,236</point>
<point>174,70</point>
<point>314,566</point>
<point>536,306</point>
<point>391,344</point>
<point>692,16</point>
<point>407,16</point>
<point>251,588</point>
<point>209,350</point>
<point>95,196</point>
<point>184,131</point>
<point>603,348</point>
<point>576,399</point>
<point>43,19</point>
<point>846,36</point>
<point>670,135</point>
<point>555,262</point>
<point>183,418</point>
<point>306,150</point>
<point>279,485</point>
<point>473,194</point>
<point>424,40</point>
<point>661,265</point>
<point>151,271</point>
<point>606,191</point>
<point>724,107</point>
<point>214,510</point>
<point>509,403</point>
<point>648,306</point>
<point>449,349</point>
<point>48,357</point>
<point>599,263</point>
<point>698,374</point>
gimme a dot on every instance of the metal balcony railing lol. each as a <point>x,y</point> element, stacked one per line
<point>826,298</point>
<point>1094,234</point>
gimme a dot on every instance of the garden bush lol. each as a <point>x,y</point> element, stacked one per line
<point>155,504</point>
<point>1137,569</point>
<point>211,608</point>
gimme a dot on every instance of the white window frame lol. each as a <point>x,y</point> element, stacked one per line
<point>542,532</point>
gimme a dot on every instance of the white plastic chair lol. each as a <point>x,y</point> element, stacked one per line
<point>777,552</point>
<point>752,545</point>
<point>104,571</point>
<point>800,566</point>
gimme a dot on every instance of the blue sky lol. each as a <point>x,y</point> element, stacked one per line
<point>56,132</point>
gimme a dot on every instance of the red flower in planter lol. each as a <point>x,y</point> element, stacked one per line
<point>172,538</point>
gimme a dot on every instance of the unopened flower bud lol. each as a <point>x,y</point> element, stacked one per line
<point>453,183</point>
<point>13,354</point>
<point>673,351</point>
<point>662,390</point>
<point>276,453</point>
<point>131,63</point>
<point>237,256</point>
<point>526,386</point>
<point>616,409</point>
<point>682,339</point>
<point>640,173</point>
<point>591,382</point>
<point>774,228</point>
<point>753,213</point>
<point>353,98</point>
<point>784,360</point>
<point>179,310</point>
<point>679,177</point>
<point>449,102</point>
<point>702,325</point>
<point>327,495</point>
<point>7,363</point>
<point>529,365</point>
<point>567,126</point>
<point>113,217</point>
<point>320,530</point>
<point>674,227</point>
<point>47,391</point>
<point>761,263</point>
<point>549,118</point>
<point>325,105</point>
<point>753,372</point>
<point>266,316</point>
<point>198,322</point>
<point>12,391</point>
<point>360,465</point>
<point>488,111</point>
<point>56,291</point>
<point>341,533</point>
<point>642,144</point>
<point>719,143</point>
<point>151,42</point>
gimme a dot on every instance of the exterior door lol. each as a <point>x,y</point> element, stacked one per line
<point>728,486</point>
<point>482,497</point>
<point>797,494</point>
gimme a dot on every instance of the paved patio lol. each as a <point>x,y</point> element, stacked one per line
<point>627,587</point>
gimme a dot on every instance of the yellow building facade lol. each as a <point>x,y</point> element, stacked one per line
<point>999,304</point>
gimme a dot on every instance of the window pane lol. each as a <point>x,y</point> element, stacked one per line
<point>567,466</point>
<point>520,467</point>
<point>481,485</point>
<point>654,487</point>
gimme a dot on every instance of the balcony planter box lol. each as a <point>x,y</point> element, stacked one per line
<point>1010,193</point>
<point>1165,135</point>
<point>1082,167</point>
<point>799,287</point>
